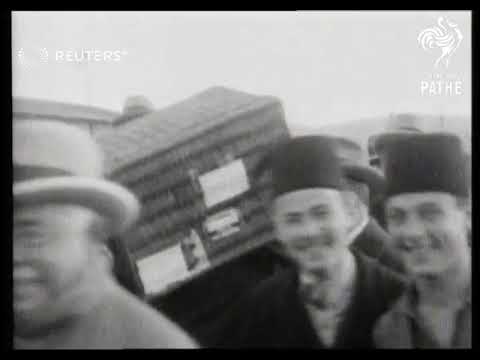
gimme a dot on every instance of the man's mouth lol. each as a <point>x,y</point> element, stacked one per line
<point>420,257</point>
<point>311,243</point>
<point>415,245</point>
<point>25,288</point>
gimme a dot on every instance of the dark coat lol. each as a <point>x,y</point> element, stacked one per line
<point>200,303</point>
<point>400,328</point>
<point>376,243</point>
<point>273,315</point>
<point>124,268</point>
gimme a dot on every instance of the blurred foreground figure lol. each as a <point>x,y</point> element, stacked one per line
<point>426,213</point>
<point>333,296</point>
<point>64,293</point>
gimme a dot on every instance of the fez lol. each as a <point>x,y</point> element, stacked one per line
<point>306,162</point>
<point>425,163</point>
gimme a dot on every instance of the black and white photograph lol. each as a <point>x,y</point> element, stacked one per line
<point>242,179</point>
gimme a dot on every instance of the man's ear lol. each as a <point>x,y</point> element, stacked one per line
<point>99,229</point>
<point>106,255</point>
<point>272,214</point>
<point>465,206</point>
<point>356,213</point>
<point>350,206</point>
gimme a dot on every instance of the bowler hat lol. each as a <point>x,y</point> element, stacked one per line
<point>354,163</point>
<point>58,163</point>
<point>432,162</point>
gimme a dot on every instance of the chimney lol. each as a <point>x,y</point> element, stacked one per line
<point>134,107</point>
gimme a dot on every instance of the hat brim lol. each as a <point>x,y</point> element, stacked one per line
<point>118,205</point>
<point>383,139</point>
<point>366,175</point>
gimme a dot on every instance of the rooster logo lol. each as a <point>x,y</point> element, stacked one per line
<point>44,55</point>
<point>446,37</point>
<point>22,58</point>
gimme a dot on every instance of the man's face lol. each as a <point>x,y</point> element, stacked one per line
<point>50,253</point>
<point>312,224</point>
<point>428,229</point>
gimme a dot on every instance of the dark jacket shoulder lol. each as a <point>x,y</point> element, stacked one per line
<point>255,319</point>
<point>376,243</point>
<point>381,282</point>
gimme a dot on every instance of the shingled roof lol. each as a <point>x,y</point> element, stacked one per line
<point>175,124</point>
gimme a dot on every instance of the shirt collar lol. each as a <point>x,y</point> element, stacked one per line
<point>345,284</point>
<point>347,275</point>
<point>405,304</point>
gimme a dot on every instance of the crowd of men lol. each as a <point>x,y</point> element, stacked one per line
<point>351,279</point>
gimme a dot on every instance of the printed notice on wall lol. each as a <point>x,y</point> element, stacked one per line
<point>194,252</point>
<point>224,183</point>
<point>222,224</point>
<point>159,270</point>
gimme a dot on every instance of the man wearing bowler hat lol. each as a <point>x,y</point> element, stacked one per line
<point>64,295</point>
<point>426,213</point>
<point>332,297</point>
<point>364,182</point>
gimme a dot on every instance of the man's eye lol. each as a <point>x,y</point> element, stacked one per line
<point>430,214</point>
<point>395,217</point>
<point>320,214</point>
<point>293,220</point>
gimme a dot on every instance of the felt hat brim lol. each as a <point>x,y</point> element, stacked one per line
<point>118,205</point>
<point>366,175</point>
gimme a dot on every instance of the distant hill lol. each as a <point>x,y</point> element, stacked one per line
<point>361,130</point>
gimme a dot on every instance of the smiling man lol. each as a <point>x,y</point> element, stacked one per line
<point>332,297</point>
<point>426,213</point>
<point>64,293</point>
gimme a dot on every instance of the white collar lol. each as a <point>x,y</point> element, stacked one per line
<point>347,277</point>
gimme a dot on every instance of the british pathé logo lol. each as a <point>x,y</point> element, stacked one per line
<point>446,37</point>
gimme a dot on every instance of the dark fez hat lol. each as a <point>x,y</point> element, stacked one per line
<point>425,163</point>
<point>305,162</point>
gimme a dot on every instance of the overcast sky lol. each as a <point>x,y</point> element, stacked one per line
<point>326,67</point>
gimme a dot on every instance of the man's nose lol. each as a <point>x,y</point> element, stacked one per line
<point>414,227</point>
<point>312,227</point>
<point>414,231</point>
